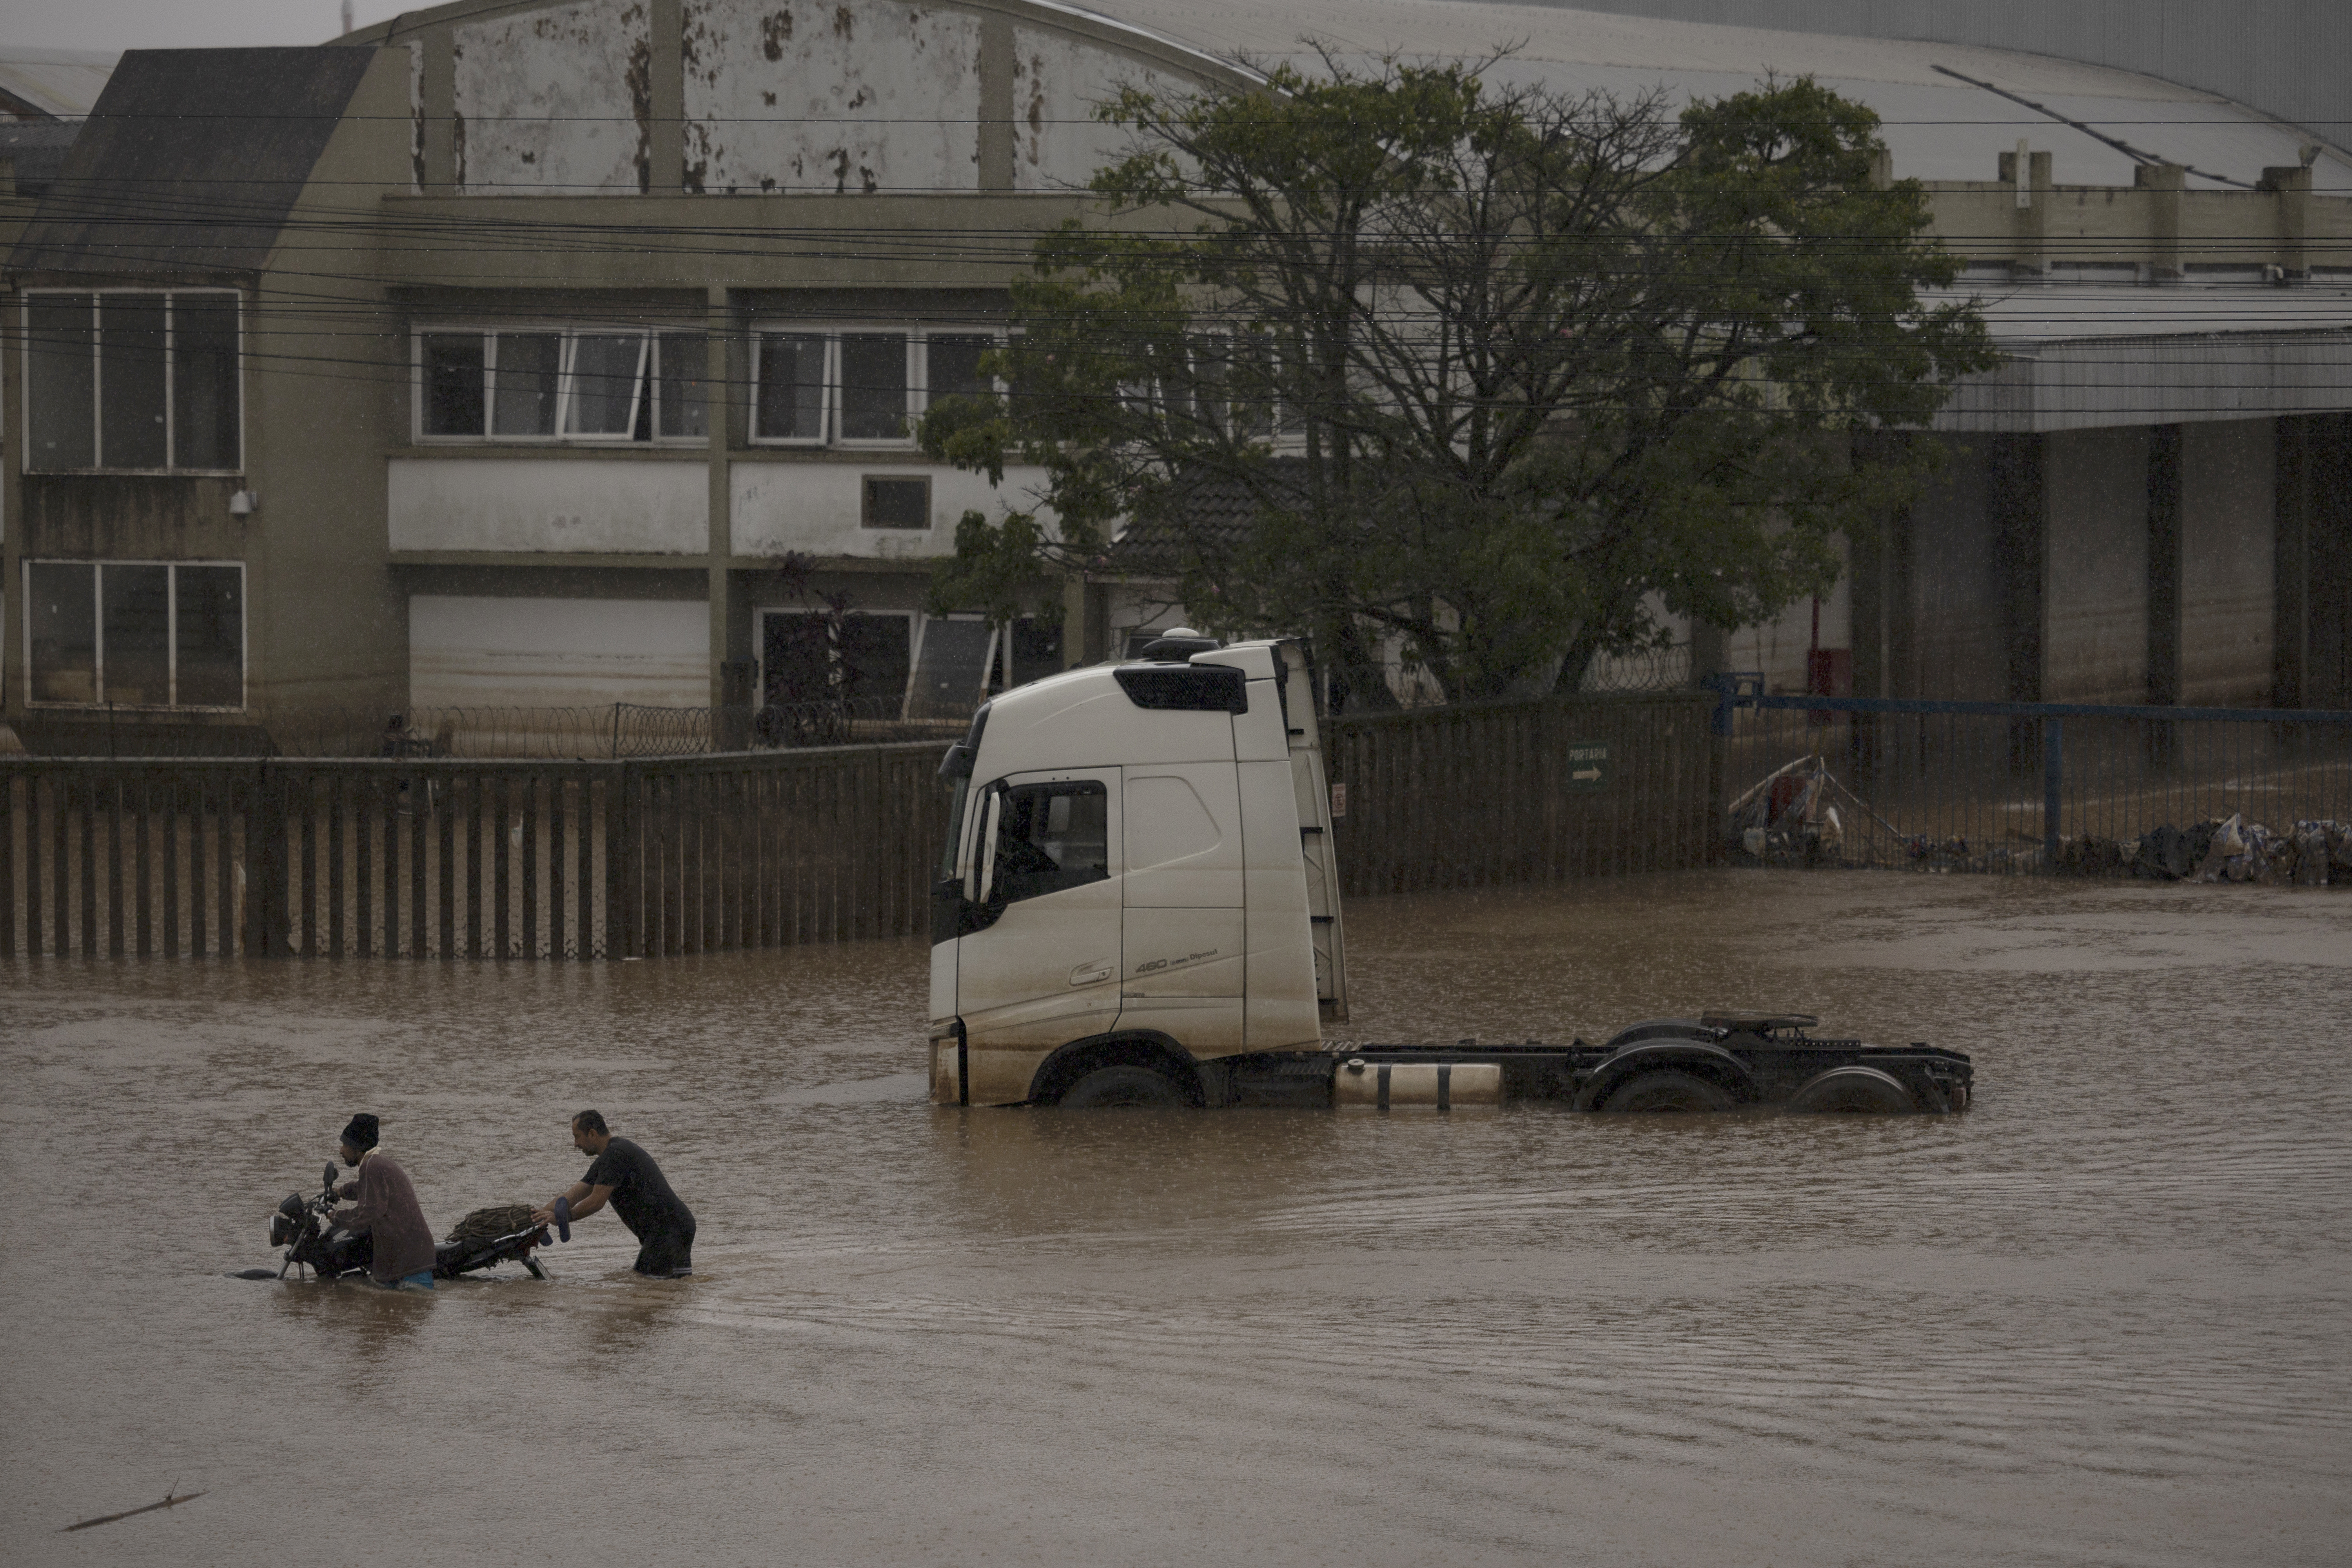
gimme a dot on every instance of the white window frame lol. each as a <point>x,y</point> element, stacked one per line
<point>171,636</point>
<point>918,368</point>
<point>567,334</point>
<point>97,378</point>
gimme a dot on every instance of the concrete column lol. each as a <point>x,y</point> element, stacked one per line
<point>2165,185</point>
<point>2015,502</point>
<point>440,94</point>
<point>2163,504</point>
<point>665,136</point>
<point>2029,172</point>
<point>996,139</point>
<point>2327,674</point>
<point>2292,187</point>
<point>721,352</point>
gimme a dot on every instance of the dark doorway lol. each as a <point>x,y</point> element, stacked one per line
<point>810,657</point>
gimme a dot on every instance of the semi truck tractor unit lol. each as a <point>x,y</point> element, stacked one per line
<point>1138,904</point>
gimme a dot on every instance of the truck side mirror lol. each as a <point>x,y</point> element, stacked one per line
<point>984,853</point>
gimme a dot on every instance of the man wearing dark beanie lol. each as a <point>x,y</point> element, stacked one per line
<point>387,1211</point>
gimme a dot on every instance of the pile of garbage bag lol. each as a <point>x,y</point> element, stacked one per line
<point>2311,854</point>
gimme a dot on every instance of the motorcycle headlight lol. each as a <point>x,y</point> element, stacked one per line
<point>281,1230</point>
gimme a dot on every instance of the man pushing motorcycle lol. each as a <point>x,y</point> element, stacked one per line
<point>625,1174</point>
<point>387,1211</point>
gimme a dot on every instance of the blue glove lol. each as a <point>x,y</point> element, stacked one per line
<point>563,1219</point>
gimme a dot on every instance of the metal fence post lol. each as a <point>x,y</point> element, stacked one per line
<point>2053,772</point>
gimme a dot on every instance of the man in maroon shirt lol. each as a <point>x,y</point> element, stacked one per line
<point>387,1211</point>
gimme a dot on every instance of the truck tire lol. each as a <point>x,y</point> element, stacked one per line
<point>1117,1086</point>
<point>1667,1089</point>
<point>1854,1089</point>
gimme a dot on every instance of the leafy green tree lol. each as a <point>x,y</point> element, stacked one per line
<point>1489,372</point>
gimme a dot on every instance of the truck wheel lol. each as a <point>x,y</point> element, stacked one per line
<point>1120,1086</point>
<point>1667,1090</point>
<point>1855,1088</point>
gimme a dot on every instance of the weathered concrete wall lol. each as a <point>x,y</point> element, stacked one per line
<point>644,506</point>
<point>556,100</point>
<point>2094,596</point>
<point>859,96</point>
<point>1057,82</point>
<point>813,507</point>
<point>2227,498</point>
<point>557,653</point>
<point>1953,644</point>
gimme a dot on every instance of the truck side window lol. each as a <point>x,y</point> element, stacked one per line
<point>1051,837</point>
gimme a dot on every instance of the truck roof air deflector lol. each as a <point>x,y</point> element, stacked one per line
<point>1185,688</point>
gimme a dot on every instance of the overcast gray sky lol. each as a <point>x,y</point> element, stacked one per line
<point>179,24</point>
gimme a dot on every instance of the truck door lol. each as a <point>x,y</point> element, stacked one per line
<point>1183,948</point>
<point>1038,963</point>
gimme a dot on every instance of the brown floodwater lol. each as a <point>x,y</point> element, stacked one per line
<point>2107,1317</point>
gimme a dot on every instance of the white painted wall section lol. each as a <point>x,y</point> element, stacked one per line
<point>862,96</point>
<point>556,102</point>
<point>646,507</point>
<point>814,508</point>
<point>557,653</point>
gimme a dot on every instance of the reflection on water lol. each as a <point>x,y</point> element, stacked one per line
<point>2100,1319</point>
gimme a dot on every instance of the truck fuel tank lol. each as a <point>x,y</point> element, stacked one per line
<point>1366,1084</point>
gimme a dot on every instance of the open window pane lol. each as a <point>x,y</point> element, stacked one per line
<point>607,369</point>
<point>61,615</point>
<point>791,386</point>
<point>525,375</point>
<point>130,381</point>
<point>685,398</point>
<point>60,390</point>
<point>874,386</point>
<point>204,381</point>
<point>136,603</point>
<point>1049,838</point>
<point>211,605</point>
<point>954,363</point>
<point>456,384</point>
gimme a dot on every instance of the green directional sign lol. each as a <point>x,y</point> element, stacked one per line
<point>1588,766</point>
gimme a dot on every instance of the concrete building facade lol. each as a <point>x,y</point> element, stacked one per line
<point>541,354</point>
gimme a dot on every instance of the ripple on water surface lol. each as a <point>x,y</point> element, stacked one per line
<point>2100,1319</point>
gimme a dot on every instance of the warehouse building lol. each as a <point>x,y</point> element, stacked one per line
<point>527,354</point>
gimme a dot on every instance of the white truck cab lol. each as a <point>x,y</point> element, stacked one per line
<point>1138,904</point>
<point>1137,880</point>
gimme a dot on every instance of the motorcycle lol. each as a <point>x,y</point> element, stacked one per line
<point>485,1238</point>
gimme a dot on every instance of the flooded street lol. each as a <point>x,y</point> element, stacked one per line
<point>2101,1318</point>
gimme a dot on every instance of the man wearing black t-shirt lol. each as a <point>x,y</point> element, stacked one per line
<point>625,1175</point>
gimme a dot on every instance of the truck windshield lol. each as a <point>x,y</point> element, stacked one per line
<point>955,826</point>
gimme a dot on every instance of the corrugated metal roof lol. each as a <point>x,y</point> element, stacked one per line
<point>191,160</point>
<point>1938,127</point>
<point>61,83</point>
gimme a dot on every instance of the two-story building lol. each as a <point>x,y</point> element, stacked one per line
<point>555,353</point>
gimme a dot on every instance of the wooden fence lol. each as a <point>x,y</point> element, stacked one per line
<point>1490,795</point>
<point>419,859</point>
<point>526,860</point>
